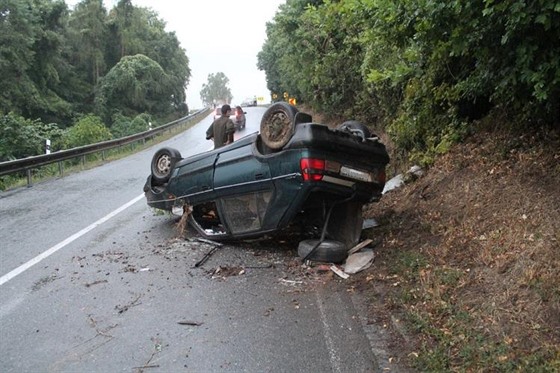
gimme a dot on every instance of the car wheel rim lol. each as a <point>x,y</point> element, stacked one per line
<point>278,126</point>
<point>163,165</point>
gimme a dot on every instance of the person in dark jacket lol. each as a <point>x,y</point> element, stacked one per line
<point>222,129</point>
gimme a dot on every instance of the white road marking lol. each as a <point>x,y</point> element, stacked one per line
<point>328,334</point>
<point>22,268</point>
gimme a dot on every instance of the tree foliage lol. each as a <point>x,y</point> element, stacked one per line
<point>59,64</point>
<point>216,90</point>
<point>135,85</point>
<point>424,70</point>
<point>20,137</point>
<point>88,130</point>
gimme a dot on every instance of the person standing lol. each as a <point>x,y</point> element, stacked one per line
<point>222,129</point>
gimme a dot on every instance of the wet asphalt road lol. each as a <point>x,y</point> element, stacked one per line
<point>93,280</point>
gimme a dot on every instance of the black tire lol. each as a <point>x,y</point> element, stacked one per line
<point>162,164</point>
<point>356,128</point>
<point>277,125</point>
<point>329,251</point>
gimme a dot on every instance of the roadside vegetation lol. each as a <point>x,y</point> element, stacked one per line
<point>467,273</point>
<point>421,71</point>
<point>88,161</point>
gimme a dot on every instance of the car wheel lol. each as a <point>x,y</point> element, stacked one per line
<point>329,251</point>
<point>277,125</point>
<point>356,128</point>
<point>162,164</point>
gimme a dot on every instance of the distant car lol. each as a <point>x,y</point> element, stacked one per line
<point>249,102</point>
<point>292,173</point>
<point>238,119</point>
<point>217,112</point>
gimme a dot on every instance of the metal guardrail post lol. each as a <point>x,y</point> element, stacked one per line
<point>29,178</point>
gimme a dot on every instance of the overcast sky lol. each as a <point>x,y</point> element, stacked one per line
<point>218,36</point>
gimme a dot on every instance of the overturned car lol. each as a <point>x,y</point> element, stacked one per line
<point>292,172</point>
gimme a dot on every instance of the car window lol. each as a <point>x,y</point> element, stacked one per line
<point>246,213</point>
<point>206,216</point>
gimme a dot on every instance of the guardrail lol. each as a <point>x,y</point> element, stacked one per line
<point>30,163</point>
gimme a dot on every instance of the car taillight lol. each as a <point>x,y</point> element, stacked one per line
<point>312,169</point>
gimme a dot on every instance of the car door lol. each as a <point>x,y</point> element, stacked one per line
<point>243,188</point>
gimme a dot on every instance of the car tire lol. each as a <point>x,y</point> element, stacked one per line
<point>329,251</point>
<point>162,164</point>
<point>355,127</point>
<point>277,125</point>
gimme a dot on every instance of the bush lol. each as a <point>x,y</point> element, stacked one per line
<point>20,137</point>
<point>124,126</point>
<point>88,130</point>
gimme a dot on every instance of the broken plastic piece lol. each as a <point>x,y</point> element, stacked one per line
<point>339,272</point>
<point>358,261</point>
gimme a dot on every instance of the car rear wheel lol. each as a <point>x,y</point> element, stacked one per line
<point>162,164</point>
<point>355,128</point>
<point>329,251</point>
<point>277,125</point>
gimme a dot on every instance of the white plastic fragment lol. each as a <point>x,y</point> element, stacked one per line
<point>358,261</point>
<point>339,272</point>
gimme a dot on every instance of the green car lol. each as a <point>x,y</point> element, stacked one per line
<point>294,172</point>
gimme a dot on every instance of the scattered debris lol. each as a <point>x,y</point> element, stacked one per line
<point>339,272</point>
<point>217,245</point>
<point>126,307</point>
<point>400,180</point>
<point>95,283</point>
<point>369,223</point>
<point>359,246</point>
<point>45,280</point>
<point>208,241</point>
<point>228,271</point>
<point>358,262</point>
<point>184,212</point>
<point>191,323</point>
<point>291,282</point>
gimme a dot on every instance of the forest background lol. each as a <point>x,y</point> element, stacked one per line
<point>85,75</point>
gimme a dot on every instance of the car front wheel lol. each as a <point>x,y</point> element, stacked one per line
<point>162,164</point>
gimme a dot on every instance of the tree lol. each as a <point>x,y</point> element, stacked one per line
<point>140,31</point>
<point>88,37</point>
<point>30,57</point>
<point>17,35</point>
<point>137,84</point>
<point>216,91</point>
